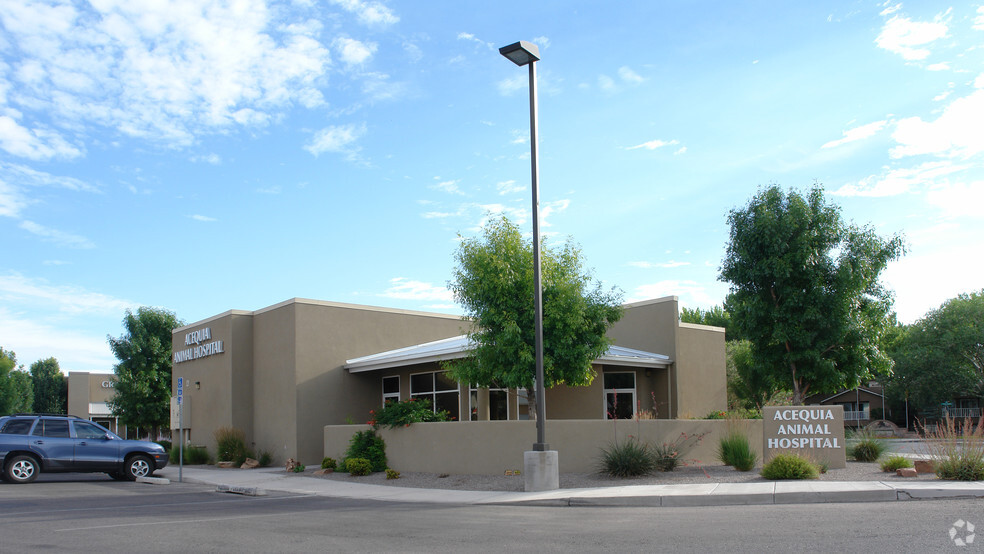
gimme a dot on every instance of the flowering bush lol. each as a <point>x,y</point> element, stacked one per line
<point>403,413</point>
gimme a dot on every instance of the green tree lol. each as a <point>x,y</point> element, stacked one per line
<point>493,280</point>
<point>941,355</point>
<point>805,291</point>
<point>50,387</point>
<point>143,374</point>
<point>16,394</point>
<point>715,316</point>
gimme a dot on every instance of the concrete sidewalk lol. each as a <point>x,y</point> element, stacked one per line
<point>257,481</point>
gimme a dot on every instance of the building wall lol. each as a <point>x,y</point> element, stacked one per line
<point>86,388</point>
<point>492,447</point>
<point>701,376</point>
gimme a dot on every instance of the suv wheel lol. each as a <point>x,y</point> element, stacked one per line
<point>138,466</point>
<point>22,469</point>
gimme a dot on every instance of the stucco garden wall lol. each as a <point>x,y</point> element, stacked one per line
<point>492,447</point>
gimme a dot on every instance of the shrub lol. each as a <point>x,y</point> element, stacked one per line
<point>958,447</point>
<point>370,446</point>
<point>230,445</point>
<point>670,455</point>
<point>790,466</point>
<point>329,463</point>
<point>392,474</point>
<point>165,444</point>
<point>631,458</point>
<point>895,462</point>
<point>864,446</point>
<point>193,455</point>
<point>265,458</point>
<point>299,468</point>
<point>717,414</point>
<point>403,413</point>
<point>735,450</point>
<point>358,466</point>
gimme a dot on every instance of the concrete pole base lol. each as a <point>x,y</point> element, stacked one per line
<point>541,470</point>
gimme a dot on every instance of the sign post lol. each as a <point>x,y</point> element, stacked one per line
<point>180,431</point>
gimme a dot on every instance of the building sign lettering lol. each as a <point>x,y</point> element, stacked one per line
<point>814,431</point>
<point>200,345</point>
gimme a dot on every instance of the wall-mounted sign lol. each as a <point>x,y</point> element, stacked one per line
<point>814,431</point>
<point>107,384</point>
<point>200,345</point>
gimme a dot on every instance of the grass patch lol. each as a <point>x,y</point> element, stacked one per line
<point>958,449</point>
<point>631,458</point>
<point>864,446</point>
<point>895,462</point>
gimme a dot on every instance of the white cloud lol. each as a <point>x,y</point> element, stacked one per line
<point>905,37</point>
<point>31,339</point>
<point>891,9</point>
<point>354,52</point>
<point>666,265</point>
<point>472,38</point>
<point>955,133</point>
<point>511,85</point>
<point>959,199</point>
<point>56,236</point>
<point>548,209</point>
<point>202,218</point>
<point>15,288</point>
<point>336,138</point>
<point>407,289</point>
<point>369,13</point>
<point>629,76</point>
<point>450,187</point>
<point>942,66</point>
<point>689,292</point>
<point>654,144</point>
<point>979,20</point>
<point>34,144</point>
<point>12,202</point>
<point>898,181</point>
<point>509,187</point>
<point>606,83</point>
<point>857,133</point>
<point>213,158</point>
<point>164,71</point>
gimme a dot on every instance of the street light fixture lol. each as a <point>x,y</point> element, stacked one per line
<point>526,53</point>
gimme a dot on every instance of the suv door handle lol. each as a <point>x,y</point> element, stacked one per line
<point>38,442</point>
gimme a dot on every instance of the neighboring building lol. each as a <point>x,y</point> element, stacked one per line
<point>89,395</point>
<point>280,374</point>
<point>861,405</point>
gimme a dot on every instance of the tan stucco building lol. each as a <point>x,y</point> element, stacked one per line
<point>89,395</point>
<point>281,373</point>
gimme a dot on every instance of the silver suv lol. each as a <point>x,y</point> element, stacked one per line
<point>32,443</point>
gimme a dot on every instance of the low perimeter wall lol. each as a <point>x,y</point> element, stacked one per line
<point>492,447</point>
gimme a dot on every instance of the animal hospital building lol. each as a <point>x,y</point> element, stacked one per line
<point>281,374</point>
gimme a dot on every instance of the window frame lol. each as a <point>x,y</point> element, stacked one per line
<point>619,391</point>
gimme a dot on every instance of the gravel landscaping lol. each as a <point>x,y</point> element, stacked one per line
<point>855,471</point>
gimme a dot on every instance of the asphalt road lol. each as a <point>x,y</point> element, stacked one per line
<point>95,514</point>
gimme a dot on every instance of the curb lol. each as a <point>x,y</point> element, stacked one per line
<point>154,480</point>
<point>245,491</point>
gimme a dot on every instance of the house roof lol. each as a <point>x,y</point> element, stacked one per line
<point>459,347</point>
<point>852,391</point>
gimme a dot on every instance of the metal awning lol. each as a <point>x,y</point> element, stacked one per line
<point>459,347</point>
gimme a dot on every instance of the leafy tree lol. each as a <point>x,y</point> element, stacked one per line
<point>16,395</point>
<point>716,316</point>
<point>941,355</point>
<point>143,375</point>
<point>493,280</point>
<point>805,291</point>
<point>50,387</point>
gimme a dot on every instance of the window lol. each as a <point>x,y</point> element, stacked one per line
<point>52,428</point>
<point>17,426</point>
<point>391,389</point>
<point>439,388</point>
<point>620,392</point>
<point>498,404</point>
<point>84,430</point>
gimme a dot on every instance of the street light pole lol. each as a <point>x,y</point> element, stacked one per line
<point>525,53</point>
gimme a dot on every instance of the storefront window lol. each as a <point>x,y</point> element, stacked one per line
<point>439,388</point>
<point>391,389</point>
<point>620,395</point>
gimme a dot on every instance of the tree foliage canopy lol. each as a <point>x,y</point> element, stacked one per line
<point>143,374</point>
<point>715,316</point>
<point>50,387</point>
<point>941,356</point>
<point>805,291</point>
<point>16,391</point>
<point>493,280</point>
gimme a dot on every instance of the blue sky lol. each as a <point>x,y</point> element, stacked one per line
<point>211,155</point>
